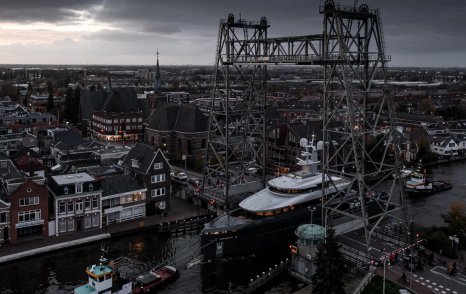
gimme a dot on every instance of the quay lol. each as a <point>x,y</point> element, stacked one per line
<point>182,218</point>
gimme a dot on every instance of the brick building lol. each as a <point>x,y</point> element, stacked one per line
<point>29,211</point>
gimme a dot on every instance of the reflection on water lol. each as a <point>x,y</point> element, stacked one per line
<point>61,272</point>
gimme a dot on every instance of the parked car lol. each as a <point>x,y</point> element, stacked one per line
<point>181,176</point>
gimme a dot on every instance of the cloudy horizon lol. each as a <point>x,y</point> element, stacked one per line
<point>122,32</point>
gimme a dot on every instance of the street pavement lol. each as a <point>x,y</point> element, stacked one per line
<point>433,279</point>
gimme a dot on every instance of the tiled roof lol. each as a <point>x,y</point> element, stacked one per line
<point>120,184</point>
<point>143,154</point>
<point>185,118</point>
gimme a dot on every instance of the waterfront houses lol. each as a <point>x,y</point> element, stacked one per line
<point>77,200</point>
<point>29,209</point>
<point>4,220</point>
<point>150,167</point>
<point>123,198</point>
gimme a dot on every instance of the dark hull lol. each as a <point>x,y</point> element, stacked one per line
<point>264,236</point>
<point>437,186</point>
<point>259,237</point>
<point>153,286</point>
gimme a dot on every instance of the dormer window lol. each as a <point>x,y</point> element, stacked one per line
<point>134,162</point>
<point>91,187</point>
<point>65,190</point>
<point>79,188</point>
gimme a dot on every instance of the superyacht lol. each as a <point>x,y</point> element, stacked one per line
<point>268,218</point>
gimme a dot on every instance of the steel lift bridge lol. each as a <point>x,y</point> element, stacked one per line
<point>358,130</point>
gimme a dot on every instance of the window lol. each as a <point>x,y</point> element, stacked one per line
<point>162,204</point>
<point>87,222</point>
<point>3,217</point>
<point>27,216</point>
<point>139,211</point>
<point>95,221</point>
<point>140,119</point>
<point>65,190</point>
<point>95,203</point>
<point>133,119</point>
<point>158,178</point>
<point>29,201</point>
<point>91,187</point>
<point>87,204</point>
<point>158,192</point>
<point>126,213</point>
<point>62,208</point>
<point>78,206</point>
<point>70,224</point>
<point>70,206</point>
<point>79,188</point>
<point>134,162</point>
<point>62,226</point>
<point>158,165</point>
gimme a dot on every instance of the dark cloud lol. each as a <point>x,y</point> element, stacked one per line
<point>428,29</point>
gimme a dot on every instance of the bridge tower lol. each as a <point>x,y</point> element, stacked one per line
<point>236,139</point>
<point>359,133</point>
<point>360,142</point>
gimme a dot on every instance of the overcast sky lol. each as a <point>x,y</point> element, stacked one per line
<point>417,33</point>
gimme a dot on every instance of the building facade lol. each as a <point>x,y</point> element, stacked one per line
<point>4,221</point>
<point>112,126</point>
<point>151,168</point>
<point>29,210</point>
<point>77,203</point>
<point>123,199</point>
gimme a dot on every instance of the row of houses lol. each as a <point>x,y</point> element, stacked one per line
<point>34,204</point>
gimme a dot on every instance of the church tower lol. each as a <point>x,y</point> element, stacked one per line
<point>157,81</point>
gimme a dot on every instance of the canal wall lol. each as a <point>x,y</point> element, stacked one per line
<point>183,217</point>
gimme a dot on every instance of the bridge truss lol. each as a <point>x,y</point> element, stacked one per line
<point>359,134</point>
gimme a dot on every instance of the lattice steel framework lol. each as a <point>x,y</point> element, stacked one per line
<point>237,110</point>
<point>358,131</point>
<point>358,125</point>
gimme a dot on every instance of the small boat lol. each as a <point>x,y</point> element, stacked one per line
<point>102,278</point>
<point>418,184</point>
<point>429,188</point>
<point>155,279</point>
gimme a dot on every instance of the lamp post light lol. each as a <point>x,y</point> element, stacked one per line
<point>311,209</point>
<point>383,287</point>
<point>411,263</point>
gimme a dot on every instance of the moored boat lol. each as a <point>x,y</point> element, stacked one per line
<point>103,279</point>
<point>418,184</point>
<point>155,279</point>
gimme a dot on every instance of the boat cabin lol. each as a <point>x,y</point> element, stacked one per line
<point>101,280</point>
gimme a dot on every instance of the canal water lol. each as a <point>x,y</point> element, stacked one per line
<point>61,272</point>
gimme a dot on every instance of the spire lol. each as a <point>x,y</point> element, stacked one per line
<point>157,82</point>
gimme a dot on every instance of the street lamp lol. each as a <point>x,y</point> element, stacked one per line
<point>411,263</point>
<point>311,209</point>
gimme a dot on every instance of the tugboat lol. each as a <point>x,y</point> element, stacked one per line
<point>102,278</point>
<point>268,219</point>
<point>418,184</point>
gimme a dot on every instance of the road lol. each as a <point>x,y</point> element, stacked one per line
<point>435,278</point>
